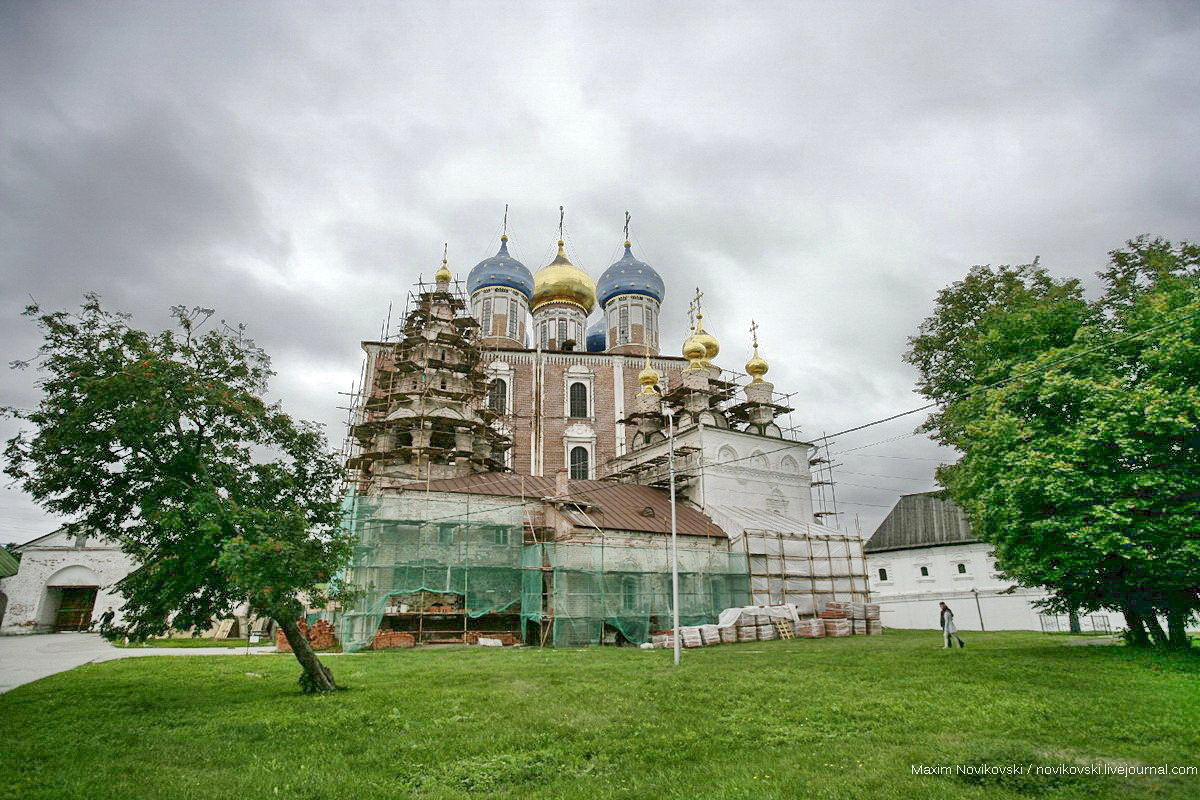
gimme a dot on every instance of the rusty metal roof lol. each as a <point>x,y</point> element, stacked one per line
<point>611,506</point>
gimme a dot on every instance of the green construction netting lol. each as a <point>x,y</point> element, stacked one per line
<point>420,554</point>
<point>583,593</point>
<point>417,554</point>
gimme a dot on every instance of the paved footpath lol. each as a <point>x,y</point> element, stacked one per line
<point>24,659</point>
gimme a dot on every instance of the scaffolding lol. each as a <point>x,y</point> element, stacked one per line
<point>444,567</point>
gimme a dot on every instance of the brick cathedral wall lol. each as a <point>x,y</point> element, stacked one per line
<point>603,422</point>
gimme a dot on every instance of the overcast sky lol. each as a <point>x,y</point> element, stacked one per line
<point>822,168</point>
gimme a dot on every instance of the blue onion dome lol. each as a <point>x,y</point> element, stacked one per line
<point>630,276</point>
<point>501,270</point>
<point>596,342</point>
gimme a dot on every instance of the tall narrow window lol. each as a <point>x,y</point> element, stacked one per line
<point>882,574</point>
<point>562,332</point>
<point>545,335</point>
<point>924,572</point>
<point>498,396</point>
<point>514,310</point>
<point>486,322</point>
<point>579,400</point>
<point>623,325</point>
<point>579,463</point>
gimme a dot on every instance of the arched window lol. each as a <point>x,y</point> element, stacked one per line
<point>579,400</point>
<point>498,396</point>
<point>579,463</point>
<point>882,574</point>
<point>924,572</point>
<point>962,569</point>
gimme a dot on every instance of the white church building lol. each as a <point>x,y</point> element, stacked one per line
<point>924,553</point>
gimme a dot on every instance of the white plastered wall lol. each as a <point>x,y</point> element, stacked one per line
<point>55,559</point>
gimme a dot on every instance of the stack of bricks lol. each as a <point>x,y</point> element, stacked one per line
<point>810,628</point>
<point>711,634</point>
<point>506,639</point>
<point>836,618</point>
<point>866,619</point>
<point>386,640</point>
<point>320,636</point>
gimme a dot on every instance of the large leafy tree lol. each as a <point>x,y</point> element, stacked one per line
<point>164,443</point>
<point>1079,424</point>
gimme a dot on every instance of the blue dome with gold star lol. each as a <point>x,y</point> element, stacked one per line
<point>630,276</point>
<point>501,270</point>
<point>595,339</point>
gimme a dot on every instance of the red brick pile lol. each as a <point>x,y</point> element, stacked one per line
<point>320,636</point>
<point>386,640</point>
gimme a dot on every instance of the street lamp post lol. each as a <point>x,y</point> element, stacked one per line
<point>674,536</point>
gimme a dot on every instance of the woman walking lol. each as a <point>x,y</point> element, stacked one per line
<point>949,631</point>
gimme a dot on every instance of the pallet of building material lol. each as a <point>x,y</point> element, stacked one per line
<point>860,627</point>
<point>711,634</point>
<point>767,632</point>
<point>872,610</point>
<point>747,633</point>
<point>837,605</point>
<point>874,627</point>
<point>811,628</point>
<point>858,610</point>
<point>834,613</point>
<point>783,627</point>
<point>837,627</point>
<point>662,640</point>
<point>728,634</point>
<point>691,636</point>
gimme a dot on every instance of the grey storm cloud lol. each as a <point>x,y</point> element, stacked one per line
<point>823,168</point>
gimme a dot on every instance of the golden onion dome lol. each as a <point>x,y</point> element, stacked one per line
<point>648,377</point>
<point>443,274</point>
<point>756,367</point>
<point>562,281</point>
<point>709,342</point>
<point>694,350</point>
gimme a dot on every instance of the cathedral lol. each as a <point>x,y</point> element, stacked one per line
<point>511,452</point>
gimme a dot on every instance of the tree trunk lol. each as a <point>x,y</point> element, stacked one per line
<point>316,676</point>
<point>1156,632</point>
<point>1073,619</point>
<point>1177,618</point>
<point>1137,629</point>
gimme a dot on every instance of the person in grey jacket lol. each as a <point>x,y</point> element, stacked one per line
<point>949,631</point>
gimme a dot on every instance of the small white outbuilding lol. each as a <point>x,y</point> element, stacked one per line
<point>65,580</point>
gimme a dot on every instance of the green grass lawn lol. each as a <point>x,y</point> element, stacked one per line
<point>833,718</point>
<point>194,642</point>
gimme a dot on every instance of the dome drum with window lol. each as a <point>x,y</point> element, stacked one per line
<point>631,293</point>
<point>500,289</point>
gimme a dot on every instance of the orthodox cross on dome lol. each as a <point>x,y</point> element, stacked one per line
<point>692,316</point>
<point>561,214</point>
<point>445,252</point>
<point>627,229</point>
<point>754,334</point>
<point>699,312</point>
<point>505,231</point>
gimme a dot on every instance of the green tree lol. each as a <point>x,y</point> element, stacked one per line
<point>1079,424</point>
<point>165,444</point>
